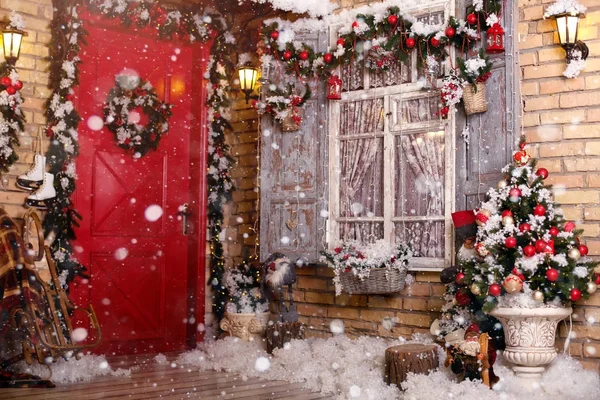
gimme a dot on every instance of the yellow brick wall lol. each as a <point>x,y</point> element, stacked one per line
<point>32,68</point>
<point>562,123</point>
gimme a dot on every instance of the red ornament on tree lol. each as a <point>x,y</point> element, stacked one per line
<point>494,290</point>
<point>575,294</point>
<point>463,298</point>
<point>6,81</point>
<point>18,85</point>
<point>529,251</point>
<point>482,217</point>
<point>392,19</point>
<point>328,58</point>
<point>525,227</point>
<point>521,157</point>
<point>410,43</point>
<point>507,213</point>
<point>597,279</point>
<point>435,42</point>
<point>554,231</point>
<point>569,226</point>
<point>287,55</point>
<point>551,274</point>
<point>514,192</point>
<point>275,35</point>
<point>540,245</point>
<point>472,18</point>
<point>355,24</point>
<point>460,278</point>
<point>539,210</point>
<point>340,42</point>
<point>543,172</point>
<point>11,90</point>
<point>303,55</point>
<point>583,249</point>
<point>450,32</point>
<point>510,242</point>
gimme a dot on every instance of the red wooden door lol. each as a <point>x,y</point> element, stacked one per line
<point>131,237</point>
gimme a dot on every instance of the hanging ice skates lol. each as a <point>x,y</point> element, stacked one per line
<point>39,180</point>
<point>33,178</point>
<point>44,193</point>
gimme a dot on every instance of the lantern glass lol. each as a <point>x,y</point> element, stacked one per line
<point>248,77</point>
<point>568,25</point>
<point>12,39</point>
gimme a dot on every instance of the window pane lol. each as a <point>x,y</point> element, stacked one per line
<point>425,238</point>
<point>363,116</point>
<point>416,110</point>
<point>365,232</point>
<point>421,170</point>
<point>361,177</point>
<point>397,74</point>
<point>352,76</point>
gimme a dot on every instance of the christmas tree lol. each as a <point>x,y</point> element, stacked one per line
<point>526,254</point>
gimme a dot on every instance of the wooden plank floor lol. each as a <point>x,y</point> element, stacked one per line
<point>149,380</point>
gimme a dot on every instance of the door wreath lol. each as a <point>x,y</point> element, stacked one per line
<point>135,115</point>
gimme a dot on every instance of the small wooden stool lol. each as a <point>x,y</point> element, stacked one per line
<point>279,333</point>
<point>416,358</point>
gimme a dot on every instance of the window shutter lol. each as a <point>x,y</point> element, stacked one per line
<point>294,175</point>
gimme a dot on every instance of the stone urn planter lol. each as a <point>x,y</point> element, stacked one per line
<point>245,326</point>
<point>529,335</point>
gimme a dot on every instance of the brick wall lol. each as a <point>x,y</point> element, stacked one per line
<point>32,68</point>
<point>562,122</point>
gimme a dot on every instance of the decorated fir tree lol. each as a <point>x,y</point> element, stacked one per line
<point>526,254</point>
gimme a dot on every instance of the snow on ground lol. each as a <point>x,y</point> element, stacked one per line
<point>353,369</point>
<point>73,370</point>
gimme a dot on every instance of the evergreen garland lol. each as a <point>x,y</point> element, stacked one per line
<point>12,119</point>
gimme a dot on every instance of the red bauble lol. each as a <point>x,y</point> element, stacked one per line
<point>583,249</point>
<point>18,85</point>
<point>6,81</point>
<point>410,43</point>
<point>597,279</point>
<point>303,55</point>
<point>507,213</point>
<point>539,210</point>
<point>287,55</point>
<point>328,58</point>
<point>340,42</point>
<point>435,42</point>
<point>554,231</point>
<point>11,90</point>
<point>472,18</point>
<point>525,227</point>
<point>481,218</point>
<point>575,294</point>
<point>494,290</point>
<point>450,32</point>
<point>515,192</point>
<point>540,245</point>
<point>463,298</point>
<point>460,278</point>
<point>392,19</point>
<point>569,226</point>
<point>355,24</point>
<point>543,172</point>
<point>551,274</point>
<point>529,251</point>
<point>275,35</point>
<point>510,242</point>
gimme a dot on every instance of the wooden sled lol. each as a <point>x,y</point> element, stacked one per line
<point>48,329</point>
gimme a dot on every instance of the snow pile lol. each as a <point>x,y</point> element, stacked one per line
<point>564,6</point>
<point>73,370</point>
<point>314,8</point>
<point>354,369</point>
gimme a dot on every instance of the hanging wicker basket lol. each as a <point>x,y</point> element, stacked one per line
<point>475,102</point>
<point>291,124</point>
<point>379,281</point>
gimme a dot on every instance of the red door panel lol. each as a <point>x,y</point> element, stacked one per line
<point>131,238</point>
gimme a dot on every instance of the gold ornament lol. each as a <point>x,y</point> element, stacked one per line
<point>538,296</point>
<point>502,184</point>
<point>512,284</point>
<point>476,290</point>
<point>508,220</point>
<point>574,254</point>
<point>591,287</point>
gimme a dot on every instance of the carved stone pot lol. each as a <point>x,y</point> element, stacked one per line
<point>529,334</point>
<point>245,326</point>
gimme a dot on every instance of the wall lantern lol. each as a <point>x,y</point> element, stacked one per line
<point>495,39</point>
<point>12,39</point>
<point>334,88</point>
<point>568,29</point>
<point>248,77</point>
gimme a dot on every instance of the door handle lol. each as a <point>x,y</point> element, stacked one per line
<point>184,211</point>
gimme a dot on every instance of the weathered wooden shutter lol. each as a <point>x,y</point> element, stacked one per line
<point>492,135</point>
<point>294,172</point>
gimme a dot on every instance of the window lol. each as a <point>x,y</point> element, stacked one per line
<point>391,162</point>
